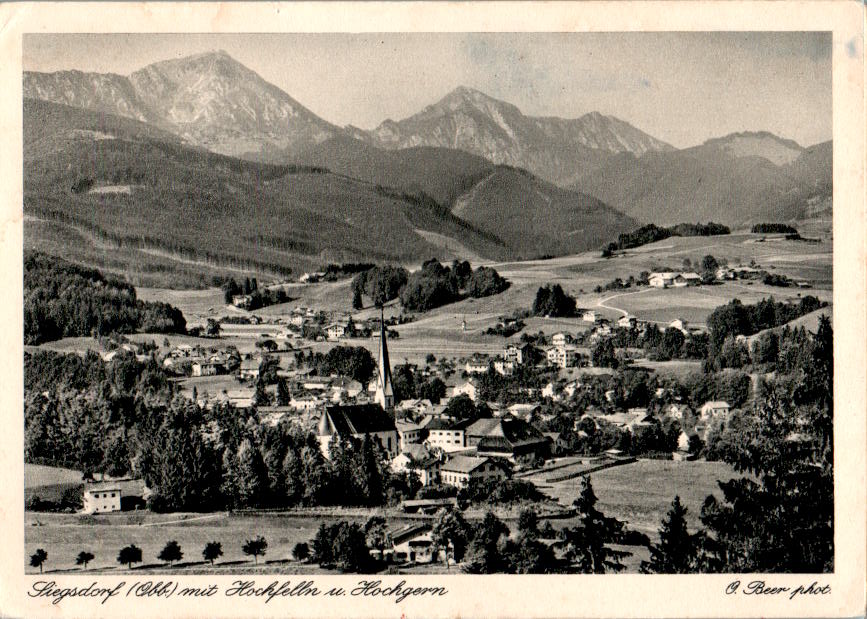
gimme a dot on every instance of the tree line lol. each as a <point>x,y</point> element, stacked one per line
<point>433,285</point>
<point>652,233</point>
<point>65,300</point>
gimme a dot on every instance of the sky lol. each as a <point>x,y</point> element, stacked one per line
<point>683,88</point>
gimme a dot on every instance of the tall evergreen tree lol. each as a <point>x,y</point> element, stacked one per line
<point>588,543</point>
<point>252,480</point>
<point>677,550</point>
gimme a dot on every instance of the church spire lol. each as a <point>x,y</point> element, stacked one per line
<point>384,390</point>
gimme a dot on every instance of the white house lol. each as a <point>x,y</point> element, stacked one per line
<point>563,356</point>
<point>101,498</point>
<point>588,316</point>
<point>460,469</point>
<point>714,410</point>
<point>627,321</point>
<point>477,364</point>
<point>559,339</point>
<point>504,367</point>
<point>468,388</point>
<point>661,280</point>
<point>678,324</point>
<point>336,330</point>
<point>448,435</point>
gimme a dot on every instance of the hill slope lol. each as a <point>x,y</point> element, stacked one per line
<point>441,173</point>
<point>556,149</point>
<point>736,180</point>
<point>536,218</point>
<point>163,207</point>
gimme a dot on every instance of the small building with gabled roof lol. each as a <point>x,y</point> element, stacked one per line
<point>460,469</point>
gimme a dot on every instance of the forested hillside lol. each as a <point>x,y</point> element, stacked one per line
<point>65,300</point>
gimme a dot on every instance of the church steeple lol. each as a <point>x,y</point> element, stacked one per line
<point>384,391</point>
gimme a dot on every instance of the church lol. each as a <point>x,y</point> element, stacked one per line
<point>358,420</point>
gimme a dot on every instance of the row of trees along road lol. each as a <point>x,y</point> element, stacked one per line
<point>171,553</point>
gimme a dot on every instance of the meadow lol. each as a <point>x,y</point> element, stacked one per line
<point>639,493</point>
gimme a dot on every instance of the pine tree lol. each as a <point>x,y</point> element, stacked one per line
<point>587,544</point>
<point>676,551</point>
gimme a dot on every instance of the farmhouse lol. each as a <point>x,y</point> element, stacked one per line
<point>662,280</point>
<point>459,470</point>
<point>714,410</point>
<point>508,437</point>
<point>588,316</point>
<point>357,421</point>
<point>468,389</point>
<point>418,459</point>
<point>678,324</point>
<point>627,321</point>
<point>114,496</point>
<point>504,367</point>
<point>205,368</point>
<point>414,543</point>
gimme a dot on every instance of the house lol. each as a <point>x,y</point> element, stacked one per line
<point>250,368</point>
<point>563,356</point>
<point>508,437</point>
<point>305,402</point>
<point>414,406</point>
<point>408,433</point>
<point>448,435</point>
<point>205,368</point>
<point>688,279</point>
<point>676,411</point>
<point>345,387</point>
<point>627,322</point>
<point>661,280</point>
<point>523,411</point>
<point>559,339</point>
<point>477,364</point>
<point>550,391</point>
<point>678,324</point>
<point>504,367</point>
<point>559,445</point>
<point>338,329</point>
<point>714,410</point>
<point>588,316</point>
<point>244,301</point>
<point>114,496</point>
<point>518,354</point>
<point>460,469</point>
<point>357,421</point>
<point>420,460</point>
<point>316,383</point>
<point>468,389</point>
<point>414,543</point>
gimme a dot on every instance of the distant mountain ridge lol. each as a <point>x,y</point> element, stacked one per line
<point>554,148</point>
<point>212,101</point>
<point>737,180</point>
<point>209,100</point>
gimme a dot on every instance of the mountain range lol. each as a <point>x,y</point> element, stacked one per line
<point>204,135</point>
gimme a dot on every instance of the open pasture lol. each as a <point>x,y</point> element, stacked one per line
<point>641,493</point>
<point>63,536</point>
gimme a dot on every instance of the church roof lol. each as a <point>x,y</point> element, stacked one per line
<point>355,419</point>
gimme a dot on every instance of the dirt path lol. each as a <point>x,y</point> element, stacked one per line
<point>601,302</point>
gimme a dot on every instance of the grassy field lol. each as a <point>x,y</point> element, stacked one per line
<point>641,493</point>
<point>49,482</point>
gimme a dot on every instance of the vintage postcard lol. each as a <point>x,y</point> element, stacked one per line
<point>434,309</point>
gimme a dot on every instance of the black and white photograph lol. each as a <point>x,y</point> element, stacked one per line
<point>410,306</point>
